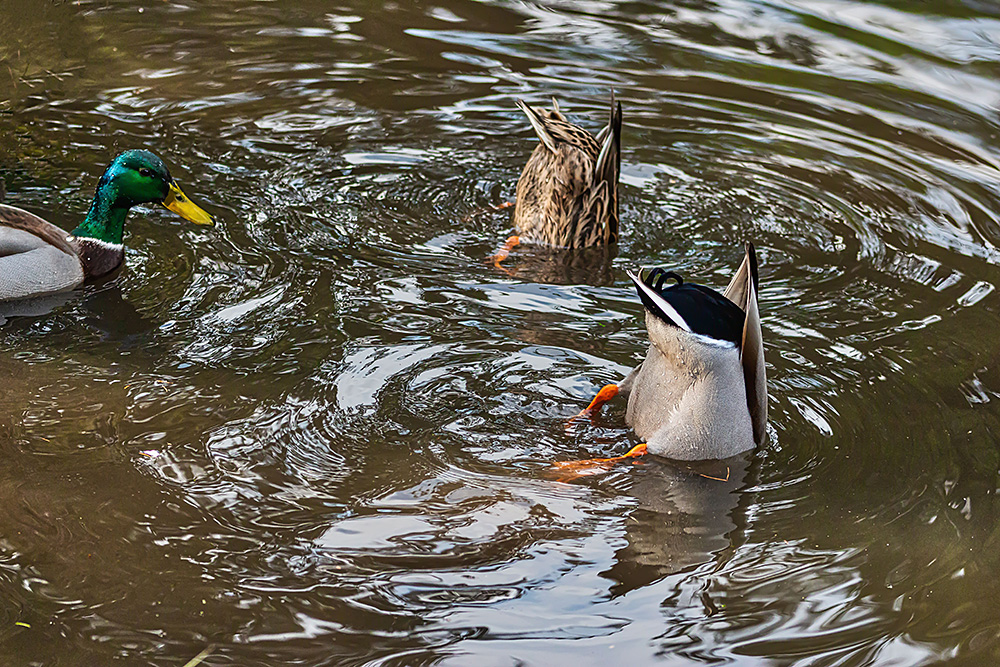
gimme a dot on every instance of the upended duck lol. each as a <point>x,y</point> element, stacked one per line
<point>39,258</point>
<point>567,196</point>
<point>701,392</point>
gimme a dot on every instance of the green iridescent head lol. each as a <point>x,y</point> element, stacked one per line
<point>134,177</point>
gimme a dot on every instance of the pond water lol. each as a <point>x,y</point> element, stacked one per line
<point>320,433</point>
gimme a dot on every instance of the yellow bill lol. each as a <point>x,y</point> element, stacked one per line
<point>179,203</point>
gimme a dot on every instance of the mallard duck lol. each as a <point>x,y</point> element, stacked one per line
<point>38,258</point>
<point>567,196</point>
<point>701,392</point>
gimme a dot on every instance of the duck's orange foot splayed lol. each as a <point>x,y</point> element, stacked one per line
<point>607,392</point>
<point>570,470</point>
<point>508,245</point>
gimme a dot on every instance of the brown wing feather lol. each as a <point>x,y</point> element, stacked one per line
<point>16,218</point>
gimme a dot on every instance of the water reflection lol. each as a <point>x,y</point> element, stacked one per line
<point>683,517</point>
<point>588,266</point>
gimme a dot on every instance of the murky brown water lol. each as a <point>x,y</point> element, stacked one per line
<point>319,433</point>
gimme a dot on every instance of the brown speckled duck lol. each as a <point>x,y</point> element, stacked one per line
<point>567,196</point>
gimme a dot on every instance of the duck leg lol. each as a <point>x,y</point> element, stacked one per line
<point>607,392</point>
<point>571,470</point>
<point>508,245</point>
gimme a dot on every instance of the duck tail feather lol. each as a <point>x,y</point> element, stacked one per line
<point>752,347</point>
<point>739,286</point>
<point>608,167</point>
<point>655,303</point>
<point>609,159</point>
<point>538,124</point>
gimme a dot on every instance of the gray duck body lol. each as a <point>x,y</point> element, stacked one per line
<point>687,399</point>
<point>38,258</point>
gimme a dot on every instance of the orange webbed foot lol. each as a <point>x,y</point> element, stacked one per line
<point>607,392</point>
<point>570,470</point>
<point>501,255</point>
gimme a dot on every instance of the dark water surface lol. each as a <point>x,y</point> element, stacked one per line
<point>319,434</point>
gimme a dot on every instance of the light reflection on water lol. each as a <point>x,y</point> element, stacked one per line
<point>320,431</point>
